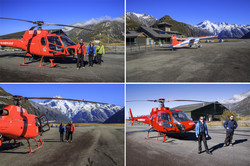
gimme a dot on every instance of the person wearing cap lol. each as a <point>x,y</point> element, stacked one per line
<point>230,125</point>
<point>81,52</point>
<point>201,133</point>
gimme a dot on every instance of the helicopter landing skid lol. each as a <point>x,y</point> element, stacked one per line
<point>51,62</point>
<point>164,137</point>
<point>38,146</point>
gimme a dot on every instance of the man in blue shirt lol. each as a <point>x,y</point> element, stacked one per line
<point>61,131</point>
<point>230,125</point>
<point>202,133</point>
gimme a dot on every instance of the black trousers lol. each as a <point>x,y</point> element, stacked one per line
<point>229,138</point>
<point>80,60</point>
<point>99,58</point>
<point>202,137</point>
<point>70,136</point>
<point>61,136</point>
<point>91,59</point>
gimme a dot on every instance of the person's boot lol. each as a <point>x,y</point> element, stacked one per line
<point>199,152</point>
<point>208,152</point>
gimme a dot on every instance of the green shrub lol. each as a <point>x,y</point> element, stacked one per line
<point>226,115</point>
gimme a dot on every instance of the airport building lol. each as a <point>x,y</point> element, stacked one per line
<point>212,111</point>
<point>159,33</point>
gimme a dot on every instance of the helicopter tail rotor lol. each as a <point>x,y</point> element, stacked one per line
<point>131,116</point>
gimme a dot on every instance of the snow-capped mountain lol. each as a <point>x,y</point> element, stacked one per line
<point>93,21</point>
<point>224,30</point>
<point>82,111</point>
<point>144,19</point>
<point>111,29</point>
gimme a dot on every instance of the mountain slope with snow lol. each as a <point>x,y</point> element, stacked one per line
<point>144,19</point>
<point>82,111</point>
<point>110,29</point>
<point>223,29</point>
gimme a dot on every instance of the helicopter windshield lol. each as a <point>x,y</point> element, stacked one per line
<point>54,40</point>
<point>67,41</point>
<point>180,116</point>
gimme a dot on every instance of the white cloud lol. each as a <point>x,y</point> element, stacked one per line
<point>236,98</point>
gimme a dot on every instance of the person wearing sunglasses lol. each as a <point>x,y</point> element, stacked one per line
<point>230,125</point>
<point>202,133</point>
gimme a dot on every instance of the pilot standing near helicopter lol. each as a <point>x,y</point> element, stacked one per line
<point>81,52</point>
<point>61,130</point>
<point>202,133</point>
<point>91,53</point>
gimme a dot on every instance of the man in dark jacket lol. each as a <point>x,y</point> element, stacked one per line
<point>230,125</point>
<point>202,133</point>
<point>61,130</point>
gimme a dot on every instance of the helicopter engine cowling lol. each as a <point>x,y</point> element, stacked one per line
<point>181,127</point>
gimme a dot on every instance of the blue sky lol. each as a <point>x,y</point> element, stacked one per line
<point>55,11</point>
<point>107,93</point>
<point>194,11</point>
<point>204,92</point>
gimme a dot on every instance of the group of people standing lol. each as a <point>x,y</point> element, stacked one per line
<point>69,129</point>
<point>202,133</point>
<point>94,53</point>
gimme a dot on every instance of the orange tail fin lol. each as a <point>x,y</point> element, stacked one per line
<point>174,41</point>
<point>131,116</point>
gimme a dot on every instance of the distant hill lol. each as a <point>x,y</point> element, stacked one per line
<point>117,117</point>
<point>246,36</point>
<point>178,26</point>
<point>242,107</point>
<point>25,104</point>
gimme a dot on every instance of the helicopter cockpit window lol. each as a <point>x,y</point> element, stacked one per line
<point>43,41</point>
<point>56,48</point>
<point>166,117</point>
<point>54,40</point>
<point>4,112</point>
<point>180,116</point>
<point>67,41</point>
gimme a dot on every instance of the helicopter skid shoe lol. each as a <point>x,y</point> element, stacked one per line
<point>38,146</point>
<point>157,139</point>
<point>52,64</point>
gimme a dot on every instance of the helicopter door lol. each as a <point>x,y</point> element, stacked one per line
<point>43,124</point>
<point>165,120</point>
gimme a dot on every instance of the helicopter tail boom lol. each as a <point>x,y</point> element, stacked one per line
<point>13,43</point>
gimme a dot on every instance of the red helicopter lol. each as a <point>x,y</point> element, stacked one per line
<point>164,120</point>
<point>43,43</point>
<point>16,123</point>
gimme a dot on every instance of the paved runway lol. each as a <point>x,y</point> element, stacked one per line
<point>111,70</point>
<point>183,151</point>
<point>214,62</point>
<point>96,145</point>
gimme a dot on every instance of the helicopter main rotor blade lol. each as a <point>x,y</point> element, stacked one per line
<point>40,23</point>
<point>53,98</point>
<point>69,26</point>
<point>166,100</point>
<point>34,22</point>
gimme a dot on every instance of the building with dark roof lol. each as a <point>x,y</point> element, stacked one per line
<point>212,111</point>
<point>159,33</point>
